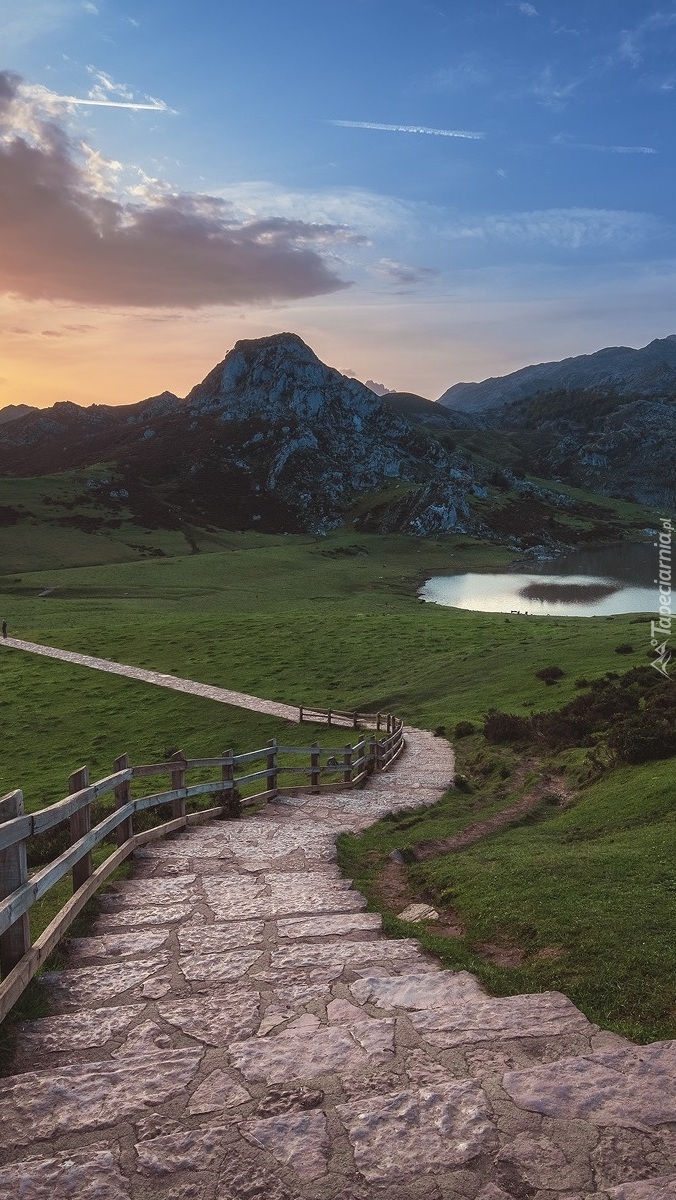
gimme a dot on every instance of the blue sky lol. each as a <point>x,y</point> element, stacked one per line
<point>426,192</point>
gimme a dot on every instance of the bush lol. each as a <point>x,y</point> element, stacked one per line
<point>505,727</point>
<point>440,731</point>
<point>550,674</point>
<point>643,738</point>
<point>624,648</point>
<point>464,729</point>
<point>580,683</point>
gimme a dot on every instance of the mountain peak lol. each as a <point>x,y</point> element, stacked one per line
<point>288,343</point>
<point>278,378</point>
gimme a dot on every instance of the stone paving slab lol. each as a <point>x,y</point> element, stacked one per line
<point>91,1174</point>
<point>237,1029</point>
<point>489,1019</point>
<point>635,1087</point>
<point>41,1105</point>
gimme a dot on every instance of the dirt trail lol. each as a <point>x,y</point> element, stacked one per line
<point>548,785</point>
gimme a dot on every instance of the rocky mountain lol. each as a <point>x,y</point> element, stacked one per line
<point>272,437</point>
<point>605,422</point>
<point>13,411</point>
<point>650,371</point>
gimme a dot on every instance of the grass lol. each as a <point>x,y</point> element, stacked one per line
<point>335,621</point>
<point>283,618</point>
<point>57,717</point>
<point>587,894</point>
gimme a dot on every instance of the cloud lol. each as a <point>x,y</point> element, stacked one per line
<point>104,94</point>
<point>551,92</point>
<point>528,10</point>
<point>378,388</point>
<point>564,228</point>
<point>64,239</point>
<point>373,214</point>
<point>631,47</point>
<point>464,74</point>
<point>402,274</point>
<point>449,133</point>
<point>563,141</point>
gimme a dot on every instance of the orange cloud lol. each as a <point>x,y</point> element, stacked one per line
<point>63,238</point>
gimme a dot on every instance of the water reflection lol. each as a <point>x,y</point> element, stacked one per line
<point>559,592</point>
<point>575,593</point>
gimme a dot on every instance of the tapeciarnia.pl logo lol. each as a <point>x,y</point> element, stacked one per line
<point>660,630</point>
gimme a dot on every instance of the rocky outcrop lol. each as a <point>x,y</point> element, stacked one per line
<point>271,438</point>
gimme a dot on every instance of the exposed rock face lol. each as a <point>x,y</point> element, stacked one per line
<point>272,438</point>
<point>310,436</point>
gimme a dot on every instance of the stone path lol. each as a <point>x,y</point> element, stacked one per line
<point>237,1028</point>
<point>222,695</point>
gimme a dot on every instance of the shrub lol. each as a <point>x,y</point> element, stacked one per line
<point>624,648</point>
<point>643,738</point>
<point>550,674</point>
<point>581,683</point>
<point>464,729</point>
<point>440,731</point>
<point>505,727</point>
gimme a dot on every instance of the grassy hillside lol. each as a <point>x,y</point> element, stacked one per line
<point>583,894</point>
<point>332,620</point>
<point>582,900</point>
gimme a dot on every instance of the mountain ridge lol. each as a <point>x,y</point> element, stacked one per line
<point>624,369</point>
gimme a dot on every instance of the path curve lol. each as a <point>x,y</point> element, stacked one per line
<point>236,1027</point>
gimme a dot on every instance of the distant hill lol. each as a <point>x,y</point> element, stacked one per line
<point>650,371</point>
<point>272,438</point>
<point>12,412</point>
<point>419,410</point>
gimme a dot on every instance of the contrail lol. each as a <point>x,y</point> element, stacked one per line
<point>451,133</point>
<point>156,106</point>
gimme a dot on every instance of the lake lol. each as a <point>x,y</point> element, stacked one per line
<point>594,582</point>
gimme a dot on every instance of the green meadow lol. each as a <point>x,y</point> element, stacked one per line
<point>584,894</point>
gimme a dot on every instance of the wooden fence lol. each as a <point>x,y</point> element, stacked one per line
<point>19,959</point>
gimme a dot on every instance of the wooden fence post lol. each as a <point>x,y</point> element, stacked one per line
<point>329,717</point>
<point>355,720</point>
<point>178,781</point>
<point>125,829</point>
<point>377,722</point>
<point>13,874</point>
<point>271,781</point>
<point>300,719</point>
<point>231,802</point>
<point>314,764</point>
<point>372,763</point>
<point>80,825</point>
<point>347,765</point>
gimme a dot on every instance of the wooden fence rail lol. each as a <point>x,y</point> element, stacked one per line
<point>19,891</point>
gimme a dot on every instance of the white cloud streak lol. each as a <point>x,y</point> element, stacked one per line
<point>600,149</point>
<point>449,133</point>
<point>104,94</point>
<point>565,228</point>
<point>156,106</point>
